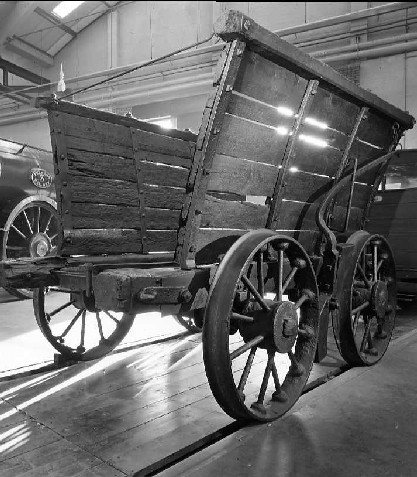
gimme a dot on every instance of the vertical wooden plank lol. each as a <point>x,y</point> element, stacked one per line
<point>139,185</point>
<point>63,191</point>
<point>282,176</point>
<point>205,151</point>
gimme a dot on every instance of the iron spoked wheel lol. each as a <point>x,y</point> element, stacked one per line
<point>260,326</point>
<point>30,231</point>
<point>366,296</point>
<point>74,327</point>
<point>192,321</point>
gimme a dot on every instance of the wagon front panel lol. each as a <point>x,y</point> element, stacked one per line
<point>120,188</point>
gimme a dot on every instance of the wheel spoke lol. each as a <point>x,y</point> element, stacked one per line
<point>280,274</point>
<point>81,347</point>
<point>53,237</point>
<point>28,223</point>
<point>250,344</point>
<point>375,262</point>
<point>238,316</point>
<point>112,317</point>
<point>254,292</point>
<point>62,307</point>
<point>19,232</point>
<point>39,220</point>
<point>279,394</point>
<point>260,273</point>
<point>360,307</point>
<point>72,323</point>
<point>48,223</point>
<point>264,385</point>
<point>355,322</point>
<point>289,278</point>
<point>246,371</point>
<point>100,328</point>
<point>367,283</point>
<point>365,335</point>
<point>301,300</point>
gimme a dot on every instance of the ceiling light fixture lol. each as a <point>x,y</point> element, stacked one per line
<point>65,8</point>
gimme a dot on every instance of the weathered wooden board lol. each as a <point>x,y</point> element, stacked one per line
<point>106,191</point>
<point>317,160</point>
<point>219,213</point>
<point>96,130</point>
<point>147,141</point>
<point>250,140</point>
<point>266,81</point>
<point>101,216</point>
<point>103,191</point>
<point>376,130</point>
<point>240,176</point>
<point>116,241</point>
<point>361,194</point>
<point>85,144</point>
<point>297,216</point>
<point>339,218</point>
<point>306,187</point>
<point>334,111</point>
<point>162,174</point>
<point>100,165</point>
<point>255,110</point>
<point>162,158</point>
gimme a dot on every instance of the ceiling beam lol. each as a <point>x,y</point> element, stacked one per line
<point>55,21</point>
<point>22,72</point>
<point>19,97</point>
<point>26,49</point>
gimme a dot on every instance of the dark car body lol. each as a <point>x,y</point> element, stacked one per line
<point>394,215</point>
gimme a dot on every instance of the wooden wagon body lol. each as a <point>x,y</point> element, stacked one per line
<point>287,145</point>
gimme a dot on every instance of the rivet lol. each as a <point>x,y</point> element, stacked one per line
<point>62,156</point>
<point>229,87</point>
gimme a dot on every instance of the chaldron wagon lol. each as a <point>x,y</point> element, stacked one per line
<point>28,218</point>
<point>256,225</point>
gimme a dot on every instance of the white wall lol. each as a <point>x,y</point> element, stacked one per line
<point>144,30</point>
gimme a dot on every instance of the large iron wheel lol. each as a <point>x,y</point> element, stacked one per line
<point>30,231</point>
<point>260,326</point>
<point>366,295</point>
<point>74,327</point>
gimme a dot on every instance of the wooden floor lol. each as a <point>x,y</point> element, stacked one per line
<point>129,413</point>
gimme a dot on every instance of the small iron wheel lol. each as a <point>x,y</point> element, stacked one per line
<point>366,295</point>
<point>261,326</point>
<point>192,321</point>
<point>30,231</point>
<point>74,327</point>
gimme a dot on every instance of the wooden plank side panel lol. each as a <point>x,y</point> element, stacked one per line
<point>219,213</point>
<point>334,111</point>
<point>163,174</point>
<point>116,241</point>
<point>90,145</point>
<point>297,216</point>
<point>101,216</point>
<point>122,193</point>
<point>100,165</point>
<point>240,176</point>
<point>268,82</point>
<point>376,130</point>
<point>250,140</point>
<point>360,197</point>
<point>147,141</point>
<point>254,110</point>
<point>96,130</point>
<point>305,187</point>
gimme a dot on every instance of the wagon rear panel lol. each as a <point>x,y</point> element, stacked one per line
<point>282,130</point>
<point>120,189</point>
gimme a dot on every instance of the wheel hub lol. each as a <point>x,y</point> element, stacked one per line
<point>379,298</point>
<point>40,245</point>
<point>285,327</point>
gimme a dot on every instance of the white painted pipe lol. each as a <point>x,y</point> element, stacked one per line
<point>373,53</point>
<point>348,17</point>
<point>365,45</point>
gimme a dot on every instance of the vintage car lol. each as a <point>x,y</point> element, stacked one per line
<point>394,215</point>
<point>28,217</point>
